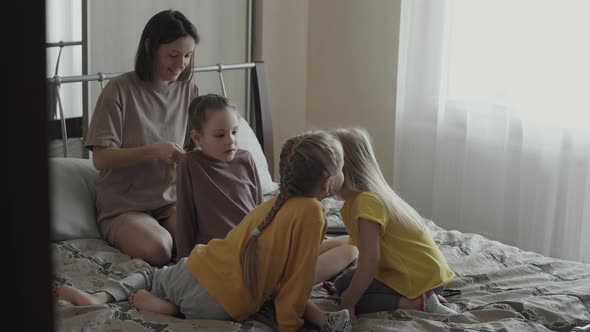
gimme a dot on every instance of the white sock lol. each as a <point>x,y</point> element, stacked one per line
<point>430,303</point>
<point>337,321</point>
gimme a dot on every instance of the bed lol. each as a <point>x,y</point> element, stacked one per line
<point>498,287</point>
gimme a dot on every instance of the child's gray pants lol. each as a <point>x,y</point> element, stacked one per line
<point>172,283</point>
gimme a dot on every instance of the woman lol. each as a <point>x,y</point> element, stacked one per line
<point>136,133</point>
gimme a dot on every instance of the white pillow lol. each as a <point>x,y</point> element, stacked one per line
<point>247,141</point>
<point>72,199</point>
<point>73,195</point>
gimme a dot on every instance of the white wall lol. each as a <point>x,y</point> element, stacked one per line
<point>352,69</point>
<point>67,30</point>
<point>115,27</point>
<point>280,40</point>
<point>331,63</point>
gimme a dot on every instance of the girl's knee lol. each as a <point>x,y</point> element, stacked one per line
<point>350,251</point>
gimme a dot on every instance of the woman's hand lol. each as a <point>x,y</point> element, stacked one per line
<point>168,151</point>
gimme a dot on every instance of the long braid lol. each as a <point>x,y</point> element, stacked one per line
<point>300,157</point>
<point>249,253</point>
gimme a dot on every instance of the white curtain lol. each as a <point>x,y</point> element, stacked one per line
<point>492,130</point>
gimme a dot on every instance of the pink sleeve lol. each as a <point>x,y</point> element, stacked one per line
<point>186,214</point>
<point>256,180</point>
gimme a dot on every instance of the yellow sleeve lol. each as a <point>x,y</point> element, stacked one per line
<point>297,280</point>
<point>368,206</point>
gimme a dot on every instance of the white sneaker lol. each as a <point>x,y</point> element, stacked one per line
<point>337,321</point>
<point>431,303</point>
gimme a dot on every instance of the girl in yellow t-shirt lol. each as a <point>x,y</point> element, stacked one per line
<point>399,265</point>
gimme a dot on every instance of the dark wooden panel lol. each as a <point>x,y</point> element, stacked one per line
<point>73,126</point>
<point>25,184</point>
<point>263,119</point>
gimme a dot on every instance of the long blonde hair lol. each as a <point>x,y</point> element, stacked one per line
<point>305,161</point>
<point>362,173</point>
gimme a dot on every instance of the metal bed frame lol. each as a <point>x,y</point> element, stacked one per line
<point>77,126</point>
<point>259,117</point>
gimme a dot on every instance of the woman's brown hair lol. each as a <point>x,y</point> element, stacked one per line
<point>163,28</point>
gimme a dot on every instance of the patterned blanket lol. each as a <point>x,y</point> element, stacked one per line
<point>502,288</point>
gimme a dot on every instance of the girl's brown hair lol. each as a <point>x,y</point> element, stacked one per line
<point>305,161</point>
<point>197,114</point>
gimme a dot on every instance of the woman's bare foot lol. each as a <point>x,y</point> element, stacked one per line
<point>79,298</point>
<point>144,300</point>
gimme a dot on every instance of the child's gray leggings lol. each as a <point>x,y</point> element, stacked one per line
<point>172,283</point>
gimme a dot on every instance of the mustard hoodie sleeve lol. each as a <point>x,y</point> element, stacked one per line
<point>297,280</point>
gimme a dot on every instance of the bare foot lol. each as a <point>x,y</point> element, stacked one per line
<point>144,300</point>
<point>79,298</point>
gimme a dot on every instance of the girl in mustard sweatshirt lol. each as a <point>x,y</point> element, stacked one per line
<point>271,253</point>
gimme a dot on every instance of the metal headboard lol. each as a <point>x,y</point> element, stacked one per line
<point>259,117</point>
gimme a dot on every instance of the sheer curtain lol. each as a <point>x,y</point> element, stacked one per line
<point>493,120</point>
